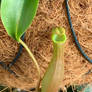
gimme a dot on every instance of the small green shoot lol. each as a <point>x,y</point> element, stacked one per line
<point>88,88</point>
<point>52,81</point>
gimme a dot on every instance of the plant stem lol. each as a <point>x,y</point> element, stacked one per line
<point>4,89</point>
<point>34,60</point>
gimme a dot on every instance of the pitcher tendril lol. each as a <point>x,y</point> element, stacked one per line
<point>33,58</point>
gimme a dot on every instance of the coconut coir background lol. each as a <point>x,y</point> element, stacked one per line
<point>51,13</point>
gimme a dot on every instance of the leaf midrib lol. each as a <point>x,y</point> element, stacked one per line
<point>17,24</point>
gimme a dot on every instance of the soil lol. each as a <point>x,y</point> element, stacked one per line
<point>51,13</point>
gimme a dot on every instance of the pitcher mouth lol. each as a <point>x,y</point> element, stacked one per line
<point>58,35</point>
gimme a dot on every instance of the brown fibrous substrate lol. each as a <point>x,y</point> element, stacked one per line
<point>50,14</point>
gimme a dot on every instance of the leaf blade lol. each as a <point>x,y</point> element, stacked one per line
<point>28,8</point>
<point>17,16</point>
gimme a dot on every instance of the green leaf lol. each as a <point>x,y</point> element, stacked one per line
<point>17,16</point>
<point>88,88</point>
<point>52,80</point>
